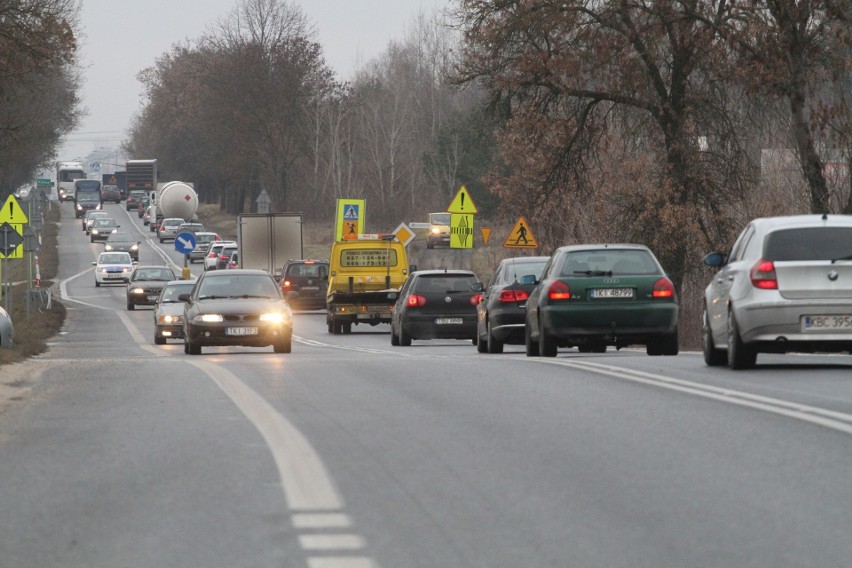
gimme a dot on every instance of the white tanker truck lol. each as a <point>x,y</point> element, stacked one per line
<point>173,199</point>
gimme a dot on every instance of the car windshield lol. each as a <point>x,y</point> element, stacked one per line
<point>114,259</point>
<point>307,270</point>
<point>153,274</point>
<point>516,270</point>
<point>444,284</point>
<point>202,238</point>
<point>104,223</point>
<point>440,219</point>
<point>608,262</point>
<point>238,286</point>
<point>172,291</point>
<point>808,243</point>
<point>120,238</point>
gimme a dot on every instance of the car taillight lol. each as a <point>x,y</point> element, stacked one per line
<point>211,255</point>
<point>286,285</point>
<point>476,299</point>
<point>663,288</point>
<point>763,275</point>
<point>415,301</point>
<point>513,295</point>
<point>559,290</point>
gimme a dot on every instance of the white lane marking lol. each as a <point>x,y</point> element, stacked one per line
<point>321,521</point>
<point>822,417</point>
<point>306,484</point>
<point>331,542</point>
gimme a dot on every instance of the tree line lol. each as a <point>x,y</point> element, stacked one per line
<point>39,81</point>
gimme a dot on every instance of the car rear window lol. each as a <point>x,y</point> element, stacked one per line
<point>808,243</point>
<point>307,270</point>
<point>517,270</point>
<point>623,262</point>
<point>444,284</point>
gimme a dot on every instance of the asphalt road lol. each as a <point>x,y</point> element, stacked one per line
<point>350,453</point>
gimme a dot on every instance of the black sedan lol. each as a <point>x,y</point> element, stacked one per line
<point>102,228</point>
<point>501,313</point>
<point>146,283</point>
<point>436,304</point>
<point>123,242</point>
<point>236,307</point>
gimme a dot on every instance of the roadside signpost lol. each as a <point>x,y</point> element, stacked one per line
<point>185,243</point>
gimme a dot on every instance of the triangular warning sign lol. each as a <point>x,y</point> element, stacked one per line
<point>113,181</point>
<point>462,203</point>
<point>520,236</point>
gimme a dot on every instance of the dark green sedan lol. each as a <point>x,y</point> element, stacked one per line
<point>595,296</point>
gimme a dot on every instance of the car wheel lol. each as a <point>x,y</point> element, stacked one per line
<point>91,239</point>
<point>663,345</point>
<point>346,328</point>
<point>284,346</point>
<point>740,355</point>
<point>159,339</point>
<point>481,345</point>
<point>531,346</point>
<point>546,343</point>
<point>597,347</point>
<point>404,338</point>
<point>712,357</point>
<point>394,338</point>
<point>191,348</point>
<point>494,344</point>
<point>330,323</point>
<point>97,284</point>
<point>131,306</point>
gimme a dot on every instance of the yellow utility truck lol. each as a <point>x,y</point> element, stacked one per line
<point>362,273</point>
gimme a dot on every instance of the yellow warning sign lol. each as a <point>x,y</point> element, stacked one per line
<point>350,230</point>
<point>403,234</point>
<point>12,212</point>
<point>520,236</point>
<point>461,231</point>
<point>486,234</point>
<point>113,181</point>
<point>462,203</point>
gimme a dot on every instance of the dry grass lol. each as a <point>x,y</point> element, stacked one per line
<point>33,330</point>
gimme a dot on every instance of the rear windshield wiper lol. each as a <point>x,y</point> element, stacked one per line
<point>594,272</point>
<point>847,257</point>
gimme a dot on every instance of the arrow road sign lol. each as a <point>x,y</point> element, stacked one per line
<point>185,243</point>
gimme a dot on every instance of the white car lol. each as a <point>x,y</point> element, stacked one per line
<point>113,268</point>
<point>6,329</point>
<point>213,251</point>
<point>168,229</point>
<point>785,287</point>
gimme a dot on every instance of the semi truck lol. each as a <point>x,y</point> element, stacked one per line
<point>118,179</point>
<point>87,195</point>
<point>362,274</point>
<point>176,199</point>
<point>141,175</point>
<point>268,240</point>
<point>66,174</point>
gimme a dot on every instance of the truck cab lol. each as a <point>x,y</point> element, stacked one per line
<point>439,230</point>
<point>362,275</point>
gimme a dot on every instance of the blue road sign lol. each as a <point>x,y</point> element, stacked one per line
<point>185,243</point>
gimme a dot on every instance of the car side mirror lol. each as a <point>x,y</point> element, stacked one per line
<point>183,297</point>
<point>715,259</point>
<point>477,287</point>
<point>393,295</point>
<point>94,263</point>
<point>412,268</point>
<point>527,279</point>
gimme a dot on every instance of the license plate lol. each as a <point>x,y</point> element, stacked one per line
<point>449,321</point>
<point>113,275</point>
<point>818,323</point>
<point>310,288</point>
<point>599,293</point>
<point>240,331</point>
<point>378,309</point>
<point>152,298</point>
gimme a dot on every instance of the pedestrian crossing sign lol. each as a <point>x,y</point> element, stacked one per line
<point>521,236</point>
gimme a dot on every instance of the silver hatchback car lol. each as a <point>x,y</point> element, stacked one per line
<point>785,287</point>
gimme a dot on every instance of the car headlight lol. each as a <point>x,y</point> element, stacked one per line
<point>435,231</point>
<point>108,247</point>
<point>94,231</point>
<point>137,290</point>
<point>134,247</point>
<point>170,319</point>
<point>274,317</point>
<point>209,318</point>
<point>79,207</point>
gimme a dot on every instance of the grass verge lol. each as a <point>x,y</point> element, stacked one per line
<point>34,329</point>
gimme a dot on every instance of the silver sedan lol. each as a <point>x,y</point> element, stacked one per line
<point>785,287</point>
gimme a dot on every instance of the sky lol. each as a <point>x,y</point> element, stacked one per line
<point>124,37</point>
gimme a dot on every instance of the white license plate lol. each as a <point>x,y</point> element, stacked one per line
<point>311,288</point>
<point>598,293</point>
<point>818,323</point>
<point>152,298</point>
<point>114,275</point>
<point>449,321</point>
<point>378,309</point>
<point>240,331</point>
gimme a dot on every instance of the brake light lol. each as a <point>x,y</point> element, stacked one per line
<point>212,255</point>
<point>415,301</point>
<point>513,295</point>
<point>763,275</point>
<point>476,299</point>
<point>663,288</point>
<point>559,290</point>
<point>286,285</point>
